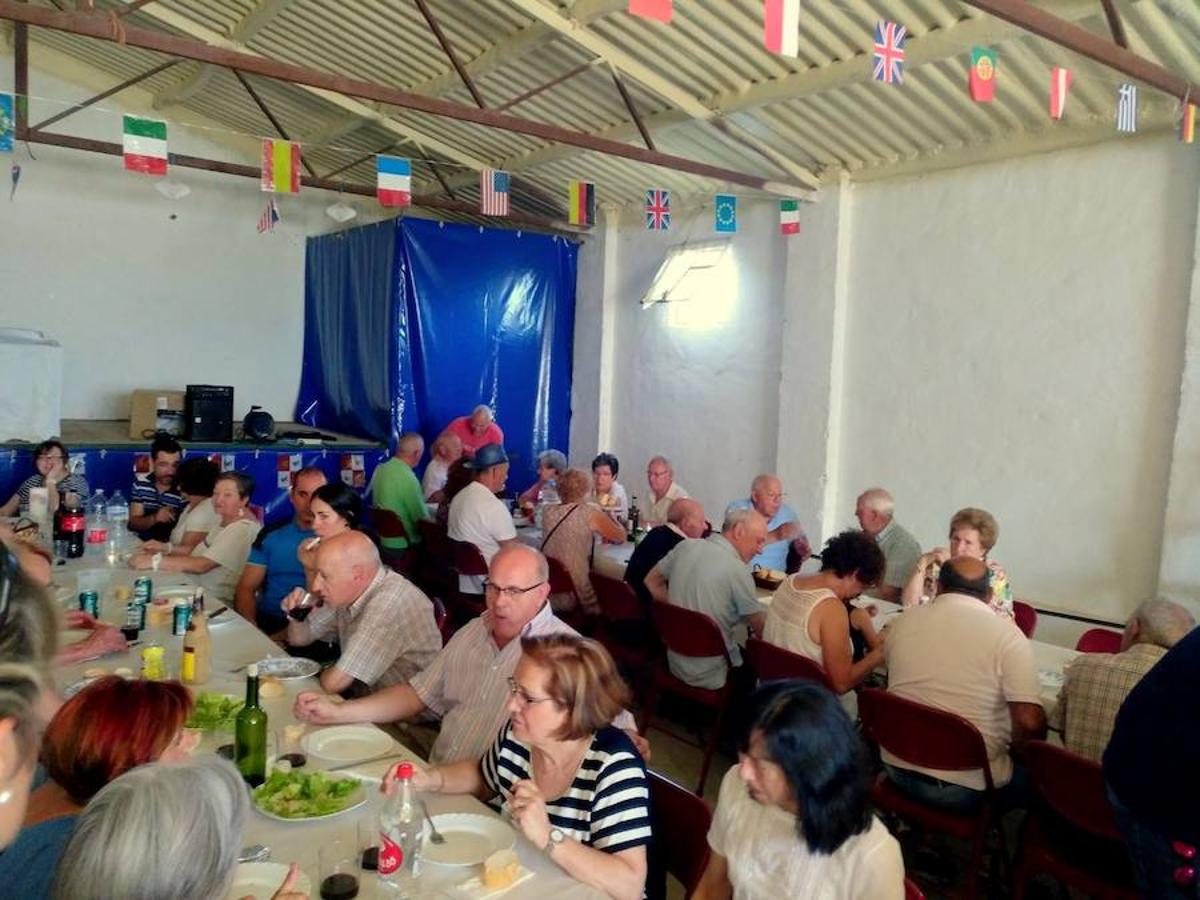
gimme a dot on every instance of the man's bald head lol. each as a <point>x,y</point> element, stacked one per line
<point>965,575</point>
<point>766,494</point>
<point>687,515</point>
<point>410,448</point>
<point>518,585</point>
<point>346,564</point>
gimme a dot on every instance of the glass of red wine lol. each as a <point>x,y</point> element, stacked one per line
<point>368,844</point>
<point>339,870</point>
<point>307,603</point>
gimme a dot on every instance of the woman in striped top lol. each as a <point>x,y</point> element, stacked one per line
<point>572,783</point>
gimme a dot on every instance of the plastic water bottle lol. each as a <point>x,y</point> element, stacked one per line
<point>400,834</point>
<point>118,520</point>
<point>547,496</point>
<point>95,533</point>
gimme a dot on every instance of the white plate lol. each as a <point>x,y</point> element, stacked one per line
<point>175,594</point>
<point>286,668</point>
<point>347,743</point>
<point>470,839</point>
<point>261,880</point>
<point>355,799</point>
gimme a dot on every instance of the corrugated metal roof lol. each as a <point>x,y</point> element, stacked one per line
<point>821,110</point>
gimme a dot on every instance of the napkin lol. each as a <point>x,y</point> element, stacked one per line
<point>473,887</point>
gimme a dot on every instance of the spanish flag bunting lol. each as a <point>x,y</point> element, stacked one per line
<point>581,204</point>
<point>1187,126</point>
<point>652,9</point>
<point>281,167</point>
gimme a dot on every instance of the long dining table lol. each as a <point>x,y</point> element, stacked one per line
<point>236,643</point>
<point>1051,659</point>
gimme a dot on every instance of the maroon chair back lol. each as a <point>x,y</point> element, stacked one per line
<point>434,540</point>
<point>921,735</point>
<point>387,523</point>
<point>911,891</point>
<point>1074,788</point>
<point>617,600</point>
<point>687,632</point>
<point>442,618</point>
<point>561,581</point>
<point>1099,640</point>
<point>680,821</point>
<point>771,662</point>
<point>1025,617</point>
<point>466,558</point>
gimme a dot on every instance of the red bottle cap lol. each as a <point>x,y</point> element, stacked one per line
<point>1185,850</point>
<point>405,770</point>
<point>1185,875</point>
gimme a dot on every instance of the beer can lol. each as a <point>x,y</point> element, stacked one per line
<point>143,587</point>
<point>135,615</point>
<point>89,602</point>
<point>183,615</point>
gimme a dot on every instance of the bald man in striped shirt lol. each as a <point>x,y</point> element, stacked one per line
<point>466,685</point>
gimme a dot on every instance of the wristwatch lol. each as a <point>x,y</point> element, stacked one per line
<point>556,838</point>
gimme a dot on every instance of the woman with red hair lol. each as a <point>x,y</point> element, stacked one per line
<point>108,728</point>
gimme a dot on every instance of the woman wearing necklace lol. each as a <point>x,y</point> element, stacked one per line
<point>558,763</point>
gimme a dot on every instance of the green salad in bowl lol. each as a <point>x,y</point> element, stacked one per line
<point>307,795</point>
<point>214,712</point>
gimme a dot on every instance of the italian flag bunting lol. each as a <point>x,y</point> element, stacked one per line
<point>789,216</point>
<point>145,145</point>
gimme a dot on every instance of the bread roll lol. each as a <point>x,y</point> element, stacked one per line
<point>500,870</point>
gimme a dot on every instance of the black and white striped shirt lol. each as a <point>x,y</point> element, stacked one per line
<point>606,807</point>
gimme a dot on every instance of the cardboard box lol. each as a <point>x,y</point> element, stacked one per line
<point>145,418</point>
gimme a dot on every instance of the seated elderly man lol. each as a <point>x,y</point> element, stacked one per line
<point>478,516</point>
<point>955,654</point>
<point>685,519</point>
<point>476,430</point>
<point>783,528</point>
<point>447,450</point>
<point>384,624</point>
<point>395,487</point>
<point>1097,683</point>
<point>711,576</point>
<point>664,490</point>
<point>875,510</point>
<point>467,685</point>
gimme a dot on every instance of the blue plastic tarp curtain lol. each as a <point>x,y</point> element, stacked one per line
<point>409,333</point>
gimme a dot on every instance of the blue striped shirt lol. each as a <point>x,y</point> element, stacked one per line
<point>146,492</point>
<point>607,806</point>
<point>72,484</point>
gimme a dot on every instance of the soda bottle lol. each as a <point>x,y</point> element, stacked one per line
<point>96,529</point>
<point>400,832</point>
<point>72,523</point>
<point>118,519</point>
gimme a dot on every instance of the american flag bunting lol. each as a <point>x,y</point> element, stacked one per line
<point>269,218</point>
<point>493,192</point>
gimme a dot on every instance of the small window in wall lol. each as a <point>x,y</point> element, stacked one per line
<point>698,281</point>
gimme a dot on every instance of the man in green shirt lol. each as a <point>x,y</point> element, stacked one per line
<point>397,489</point>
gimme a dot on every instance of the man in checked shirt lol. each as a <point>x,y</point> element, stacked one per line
<point>466,685</point>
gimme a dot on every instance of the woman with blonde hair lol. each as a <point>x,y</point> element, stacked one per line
<point>572,783</point>
<point>570,528</point>
<point>973,533</point>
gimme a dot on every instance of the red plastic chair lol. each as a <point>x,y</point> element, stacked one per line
<point>679,821</point>
<point>430,569</point>
<point>1099,640</point>
<point>911,891</point>
<point>465,559</point>
<point>771,662</point>
<point>688,633</point>
<point>387,523</point>
<point>442,618</point>
<point>932,739</point>
<point>1074,836</point>
<point>623,628</point>
<point>1026,617</point>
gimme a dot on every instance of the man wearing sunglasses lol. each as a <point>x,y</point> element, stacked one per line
<point>466,686</point>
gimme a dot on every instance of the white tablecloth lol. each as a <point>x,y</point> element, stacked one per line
<point>237,642</point>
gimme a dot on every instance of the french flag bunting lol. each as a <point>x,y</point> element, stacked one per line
<point>393,183</point>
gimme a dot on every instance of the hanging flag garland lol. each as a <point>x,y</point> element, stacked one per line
<point>982,81</point>
<point>393,181</point>
<point>789,216</point>
<point>651,9</point>
<point>145,145</point>
<point>493,192</point>
<point>1127,108</point>
<point>725,214</point>
<point>270,216</point>
<point>581,203</point>
<point>1187,125</point>
<point>781,26</point>
<point>658,210</point>
<point>888,54</point>
<point>1060,83</point>
<point>280,166</point>
<point>7,123</point>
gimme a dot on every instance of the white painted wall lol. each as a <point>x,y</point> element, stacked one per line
<point>142,291</point>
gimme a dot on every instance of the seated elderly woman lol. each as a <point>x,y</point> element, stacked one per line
<point>50,460</point>
<point>973,533</point>
<point>336,509</point>
<point>108,728</point>
<point>572,783</point>
<point>196,479</point>
<point>607,491</point>
<point>220,557</point>
<point>793,817</point>
<point>811,614</point>
<point>551,464</point>
<point>162,831</point>
<point>446,449</point>
<point>569,528</point>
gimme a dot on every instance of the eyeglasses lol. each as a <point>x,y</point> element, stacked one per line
<point>57,457</point>
<point>523,696</point>
<point>512,593</point>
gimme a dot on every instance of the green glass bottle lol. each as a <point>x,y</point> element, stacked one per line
<point>250,734</point>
